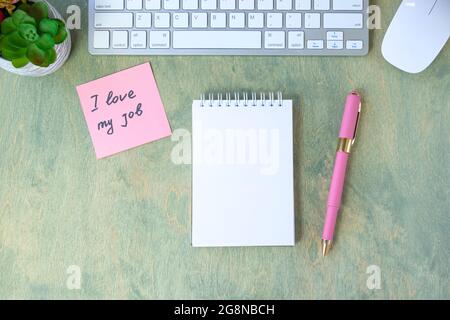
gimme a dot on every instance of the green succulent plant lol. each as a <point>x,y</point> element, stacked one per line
<point>29,35</point>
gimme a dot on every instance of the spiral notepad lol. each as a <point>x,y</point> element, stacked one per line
<point>243,190</point>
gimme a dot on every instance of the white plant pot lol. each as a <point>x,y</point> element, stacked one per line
<point>62,51</point>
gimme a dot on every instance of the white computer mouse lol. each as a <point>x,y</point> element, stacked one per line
<point>417,34</point>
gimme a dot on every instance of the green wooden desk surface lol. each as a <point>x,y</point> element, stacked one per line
<point>125,220</point>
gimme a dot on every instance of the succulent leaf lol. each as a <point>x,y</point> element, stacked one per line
<point>45,42</point>
<point>25,7</point>
<point>11,53</point>
<point>17,40</point>
<point>49,26</point>
<point>8,26</point>
<point>30,20</point>
<point>62,32</point>
<point>18,16</point>
<point>36,55</point>
<point>20,62</point>
<point>38,10</point>
<point>50,57</point>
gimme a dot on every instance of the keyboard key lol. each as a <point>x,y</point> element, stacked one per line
<point>303,5</point>
<point>199,20</point>
<point>159,39</point>
<point>343,21</point>
<point>335,35</point>
<point>347,4</point>
<point>162,20</point>
<point>237,20</point>
<point>246,4</point>
<point>217,39</point>
<point>190,4</point>
<point>265,4</point>
<point>321,4</point>
<point>109,5</point>
<point>134,4</point>
<point>274,40</point>
<point>227,4</point>
<point>354,45</point>
<point>180,20</point>
<point>143,20</point>
<point>120,40</point>
<point>284,4</point>
<point>256,20</point>
<point>293,20</point>
<point>171,4</point>
<point>152,4</point>
<point>274,20</point>
<point>312,20</point>
<point>218,20</point>
<point>113,20</point>
<point>335,45</point>
<point>209,4</point>
<point>101,39</point>
<point>315,44</point>
<point>296,40</point>
<point>138,40</point>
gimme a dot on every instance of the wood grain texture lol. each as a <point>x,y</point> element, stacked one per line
<point>125,220</point>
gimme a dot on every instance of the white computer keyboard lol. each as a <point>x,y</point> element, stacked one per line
<point>228,27</point>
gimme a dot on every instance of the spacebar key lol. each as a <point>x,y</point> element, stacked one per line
<point>217,39</point>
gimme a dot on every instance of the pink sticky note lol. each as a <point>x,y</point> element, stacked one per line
<point>123,110</point>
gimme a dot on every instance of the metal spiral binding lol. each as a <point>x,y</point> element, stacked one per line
<point>237,102</point>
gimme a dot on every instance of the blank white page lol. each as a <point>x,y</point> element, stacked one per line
<point>243,190</point>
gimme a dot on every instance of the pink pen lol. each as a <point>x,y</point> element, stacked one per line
<point>347,136</point>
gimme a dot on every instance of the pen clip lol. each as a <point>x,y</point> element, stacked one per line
<point>357,117</point>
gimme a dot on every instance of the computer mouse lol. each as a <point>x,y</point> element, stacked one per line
<point>417,34</point>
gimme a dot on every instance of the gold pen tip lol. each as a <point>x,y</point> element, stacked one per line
<point>326,245</point>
